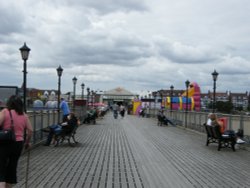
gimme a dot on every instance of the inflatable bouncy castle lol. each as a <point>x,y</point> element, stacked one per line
<point>178,103</point>
<point>137,106</point>
<point>193,101</point>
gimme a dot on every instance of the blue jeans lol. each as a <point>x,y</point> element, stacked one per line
<point>54,130</point>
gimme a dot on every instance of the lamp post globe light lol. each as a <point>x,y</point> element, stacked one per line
<point>25,50</point>
<point>74,92</point>
<point>215,75</point>
<point>59,74</point>
<point>187,85</point>
<point>171,96</point>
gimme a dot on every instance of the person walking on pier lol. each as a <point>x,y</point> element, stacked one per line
<point>65,108</point>
<point>115,110</point>
<point>10,151</point>
<point>122,111</point>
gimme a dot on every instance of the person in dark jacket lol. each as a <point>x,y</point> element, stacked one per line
<point>65,127</point>
<point>164,119</point>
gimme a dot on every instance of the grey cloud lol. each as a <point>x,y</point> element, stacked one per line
<point>180,53</point>
<point>8,69</point>
<point>87,37</point>
<point>234,65</point>
<point>10,19</point>
<point>108,6</point>
<point>123,51</point>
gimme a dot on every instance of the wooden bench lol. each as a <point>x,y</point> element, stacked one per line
<point>60,138</point>
<point>214,136</point>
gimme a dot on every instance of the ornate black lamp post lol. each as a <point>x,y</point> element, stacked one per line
<point>215,75</point>
<point>25,50</point>
<point>82,85</point>
<point>88,93</point>
<point>59,74</point>
<point>155,95</point>
<point>92,97</point>
<point>187,85</point>
<point>171,96</point>
<point>161,99</point>
<point>149,96</point>
<point>74,92</point>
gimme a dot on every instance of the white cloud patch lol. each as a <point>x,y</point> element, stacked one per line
<point>181,53</point>
<point>234,65</point>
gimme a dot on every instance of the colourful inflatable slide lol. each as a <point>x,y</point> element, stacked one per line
<point>193,101</point>
<point>136,106</point>
<point>178,103</point>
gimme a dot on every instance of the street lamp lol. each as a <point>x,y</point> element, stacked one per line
<point>161,95</point>
<point>74,92</point>
<point>149,95</point>
<point>88,96</point>
<point>215,75</point>
<point>155,100</point>
<point>25,50</point>
<point>59,74</point>
<point>187,85</point>
<point>82,85</point>
<point>171,96</point>
<point>92,97</point>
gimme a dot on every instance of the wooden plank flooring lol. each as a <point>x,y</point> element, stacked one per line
<point>135,153</point>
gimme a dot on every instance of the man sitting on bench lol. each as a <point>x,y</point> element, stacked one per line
<point>63,128</point>
<point>163,119</point>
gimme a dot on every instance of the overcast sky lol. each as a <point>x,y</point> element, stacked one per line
<point>140,45</point>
